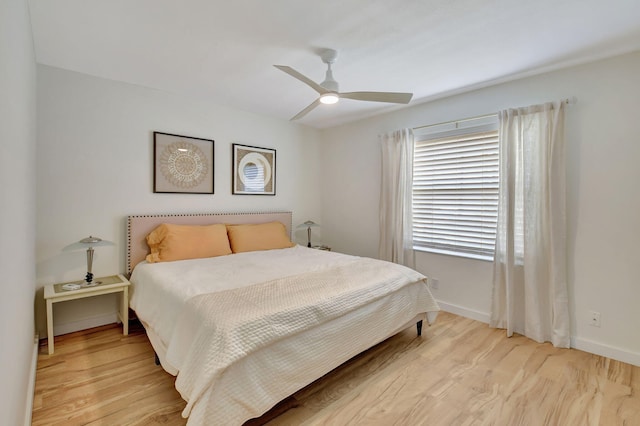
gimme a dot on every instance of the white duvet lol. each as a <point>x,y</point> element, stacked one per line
<point>244,331</point>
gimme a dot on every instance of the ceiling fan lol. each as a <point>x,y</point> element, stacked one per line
<point>329,90</point>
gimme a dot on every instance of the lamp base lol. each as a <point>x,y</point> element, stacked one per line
<point>88,281</point>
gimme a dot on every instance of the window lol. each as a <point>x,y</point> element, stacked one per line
<point>455,188</point>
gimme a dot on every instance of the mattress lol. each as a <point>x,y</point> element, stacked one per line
<point>223,388</point>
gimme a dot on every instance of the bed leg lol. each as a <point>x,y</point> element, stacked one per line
<point>419,327</point>
<point>157,360</point>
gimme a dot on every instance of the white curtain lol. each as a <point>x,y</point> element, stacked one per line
<point>396,233</point>
<point>529,276</point>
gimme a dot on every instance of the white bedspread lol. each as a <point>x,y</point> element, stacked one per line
<point>159,290</point>
<point>210,326</point>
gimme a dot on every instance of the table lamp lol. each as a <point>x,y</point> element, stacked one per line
<point>90,242</point>
<point>308,224</point>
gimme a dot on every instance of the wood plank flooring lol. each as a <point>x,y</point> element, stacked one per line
<point>460,372</point>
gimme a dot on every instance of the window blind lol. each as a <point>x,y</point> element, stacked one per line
<point>455,193</point>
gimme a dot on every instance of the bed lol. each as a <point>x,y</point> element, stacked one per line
<point>244,330</point>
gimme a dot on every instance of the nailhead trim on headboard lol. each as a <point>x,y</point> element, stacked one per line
<point>284,216</point>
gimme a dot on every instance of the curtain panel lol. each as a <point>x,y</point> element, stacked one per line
<point>396,189</point>
<point>530,294</point>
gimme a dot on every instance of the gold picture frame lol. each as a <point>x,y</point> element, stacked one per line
<point>254,170</point>
<point>182,164</point>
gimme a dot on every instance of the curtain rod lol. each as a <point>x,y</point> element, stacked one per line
<point>569,101</point>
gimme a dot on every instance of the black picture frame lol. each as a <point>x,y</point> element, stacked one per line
<point>254,170</point>
<point>183,164</point>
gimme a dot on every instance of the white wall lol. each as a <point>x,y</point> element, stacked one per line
<point>603,151</point>
<point>17,210</point>
<point>95,156</point>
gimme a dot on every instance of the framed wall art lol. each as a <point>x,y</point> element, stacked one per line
<point>254,170</point>
<point>182,164</point>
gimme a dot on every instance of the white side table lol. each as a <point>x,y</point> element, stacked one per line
<point>54,293</point>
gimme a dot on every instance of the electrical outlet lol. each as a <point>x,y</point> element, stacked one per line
<point>435,283</point>
<point>594,318</point>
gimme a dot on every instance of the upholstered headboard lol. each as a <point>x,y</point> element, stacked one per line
<point>138,227</point>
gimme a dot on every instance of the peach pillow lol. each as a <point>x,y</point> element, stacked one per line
<point>170,242</point>
<point>262,236</point>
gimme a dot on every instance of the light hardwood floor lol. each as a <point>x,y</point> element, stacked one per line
<point>460,372</point>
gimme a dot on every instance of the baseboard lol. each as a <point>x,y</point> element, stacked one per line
<point>464,312</point>
<point>612,352</point>
<point>32,382</point>
<point>576,343</point>
<point>85,323</point>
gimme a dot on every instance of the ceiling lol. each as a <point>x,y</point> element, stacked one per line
<point>223,51</point>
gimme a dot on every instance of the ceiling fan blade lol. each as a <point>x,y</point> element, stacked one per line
<point>392,97</point>
<point>315,86</point>
<point>306,110</point>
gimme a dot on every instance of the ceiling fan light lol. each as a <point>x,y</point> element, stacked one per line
<point>329,98</point>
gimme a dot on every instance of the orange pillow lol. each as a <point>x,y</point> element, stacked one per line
<point>170,242</point>
<point>262,236</point>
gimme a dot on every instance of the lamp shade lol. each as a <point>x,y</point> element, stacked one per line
<point>308,224</point>
<point>91,240</point>
<point>87,242</point>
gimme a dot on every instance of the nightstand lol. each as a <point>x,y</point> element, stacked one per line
<point>54,293</point>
